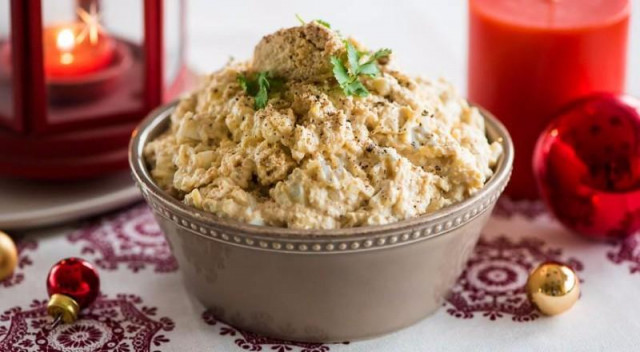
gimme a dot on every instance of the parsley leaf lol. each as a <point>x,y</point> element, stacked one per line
<point>263,90</point>
<point>357,88</point>
<point>324,23</point>
<point>259,87</point>
<point>242,81</point>
<point>354,57</point>
<point>348,78</point>
<point>369,69</point>
<point>318,21</point>
<point>339,71</point>
<point>381,53</point>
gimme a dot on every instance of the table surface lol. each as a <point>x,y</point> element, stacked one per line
<point>144,306</point>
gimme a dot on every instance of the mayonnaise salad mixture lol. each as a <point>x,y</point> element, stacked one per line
<point>317,132</point>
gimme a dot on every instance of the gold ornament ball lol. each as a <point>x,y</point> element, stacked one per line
<point>553,288</point>
<point>8,256</point>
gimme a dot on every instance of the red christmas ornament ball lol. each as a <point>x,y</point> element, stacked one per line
<point>76,278</point>
<point>587,165</point>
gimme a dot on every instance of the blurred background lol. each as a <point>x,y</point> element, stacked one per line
<point>428,37</point>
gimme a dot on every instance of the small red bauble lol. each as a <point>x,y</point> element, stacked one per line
<point>587,165</point>
<point>75,278</point>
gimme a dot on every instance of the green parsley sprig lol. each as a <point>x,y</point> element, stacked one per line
<point>349,77</point>
<point>318,21</point>
<point>259,86</point>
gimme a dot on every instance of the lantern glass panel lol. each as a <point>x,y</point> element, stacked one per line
<point>6,74</point>
<point>93,60</point>
<point>173,45</point>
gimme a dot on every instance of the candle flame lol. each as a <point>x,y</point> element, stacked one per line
<point>66,58</point>
<point>65,41</point>
<point>92,24</point>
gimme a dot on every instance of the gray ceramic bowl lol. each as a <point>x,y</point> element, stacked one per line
<point>319,286</point>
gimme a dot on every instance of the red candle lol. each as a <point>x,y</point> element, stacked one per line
<point>527,58</point>
<point>70,52</point>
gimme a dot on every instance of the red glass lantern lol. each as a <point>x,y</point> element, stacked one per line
<point>77,75</point>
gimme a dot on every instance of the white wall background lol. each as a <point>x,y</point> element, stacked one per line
<point>429,37</point>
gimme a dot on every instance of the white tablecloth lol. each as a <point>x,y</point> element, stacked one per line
<point>144,306</point>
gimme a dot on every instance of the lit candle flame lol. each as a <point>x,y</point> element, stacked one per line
<point>92,27</point>
<point>65,41</point>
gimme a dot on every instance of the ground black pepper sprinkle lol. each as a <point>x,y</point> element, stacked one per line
<point>364,139</point>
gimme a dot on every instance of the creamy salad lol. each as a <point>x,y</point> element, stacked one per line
<point>318,132</point>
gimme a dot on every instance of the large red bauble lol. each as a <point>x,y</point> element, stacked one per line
<point>75,278</point>
<point>587,165</point>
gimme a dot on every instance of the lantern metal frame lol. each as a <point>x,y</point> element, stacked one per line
<point>65,146</point>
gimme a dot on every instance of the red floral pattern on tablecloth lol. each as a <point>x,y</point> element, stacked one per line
<point>493,282</point>
<point>24,246</point>
<point>122,324</point>
<point>508,208</point>
<point>131,237</point>
<point>253,342</point>
<point>627,251</point>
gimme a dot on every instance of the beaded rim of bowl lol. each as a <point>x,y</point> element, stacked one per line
<point>278,239</point>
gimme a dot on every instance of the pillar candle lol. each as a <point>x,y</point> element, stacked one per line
<point>66,56</point>
<point>528,58</point>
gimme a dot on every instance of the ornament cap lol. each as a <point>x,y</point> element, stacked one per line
<point>63,307</point>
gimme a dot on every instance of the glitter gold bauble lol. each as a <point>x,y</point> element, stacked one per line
<point>553,288</point>
<point>8,256</point>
